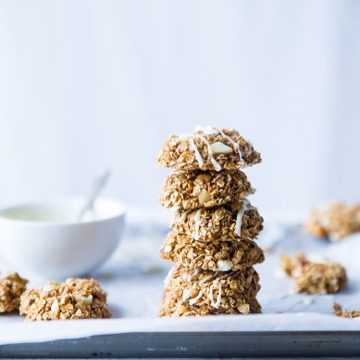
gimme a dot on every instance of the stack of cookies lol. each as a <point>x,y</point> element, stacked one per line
<point>214,227</point>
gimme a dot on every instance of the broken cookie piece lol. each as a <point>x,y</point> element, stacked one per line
<point>339,311</point>
<point>72,299</point>
<point>334,221</point>
<point>11,288</point>
<point>314,277</point>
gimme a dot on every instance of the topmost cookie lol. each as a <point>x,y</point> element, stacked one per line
<point>208,148</point>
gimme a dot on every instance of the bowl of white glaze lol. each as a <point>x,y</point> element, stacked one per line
<point>45,239</point>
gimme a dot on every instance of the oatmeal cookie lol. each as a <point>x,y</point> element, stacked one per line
<point>314,277</point>
<point>175,307</point>
<point>194,189</point>
<point>201,292</point>
<point>208,148</point>
<point>334,221</point>
<point>215,255</point>
<point>230,222</point>
<point>72,299</point>
<point>11,288</point>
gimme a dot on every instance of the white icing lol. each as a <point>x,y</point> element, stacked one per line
<point>218,299</point>
<point>197,223</point>
<point>234,143</point>
<point>245,207</point>
<point>212,159</point>
<point>211,296</point>
<point>186,294</point>
<point>194,300</point>
<point>194,148</point>
<point>196,272</point>
<point>214,148</point>
<point>206,278</point>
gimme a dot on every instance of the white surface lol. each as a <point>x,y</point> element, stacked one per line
<point>47,241</point>
<point>88,84</point>
<point>134,278</point>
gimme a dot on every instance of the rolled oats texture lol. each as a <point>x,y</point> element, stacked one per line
<point>215,256</point>
<point>183,152</point>
<point>194,189</point>
<point>72,299</point>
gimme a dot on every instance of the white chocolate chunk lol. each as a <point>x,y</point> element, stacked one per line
<point>220,148</point>
<point>203,196</point>
<point>224,265</point>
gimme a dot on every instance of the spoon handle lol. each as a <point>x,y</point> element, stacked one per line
<point>98,185</point>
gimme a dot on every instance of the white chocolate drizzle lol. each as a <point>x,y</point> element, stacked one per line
<point>211,296</point>
<point>186,294</point>
<point>206,278</point>
<point>217,166</point>
<point>194,300</point>
<point>208,130</point>
<point>197,223</point>
<point>194,148</point>
<point>245,207</point>
<point>233,142</point>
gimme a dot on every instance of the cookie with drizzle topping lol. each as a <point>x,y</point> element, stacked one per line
<point>208,148</point>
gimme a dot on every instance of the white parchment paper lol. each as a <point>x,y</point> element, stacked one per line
<point>133,278</point>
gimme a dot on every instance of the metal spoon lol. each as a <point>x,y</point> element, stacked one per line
<point>98,185</point>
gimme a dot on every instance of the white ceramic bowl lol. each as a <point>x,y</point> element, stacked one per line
<point>44,240</point>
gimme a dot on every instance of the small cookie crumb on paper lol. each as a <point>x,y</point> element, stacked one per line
<point>339,311</point>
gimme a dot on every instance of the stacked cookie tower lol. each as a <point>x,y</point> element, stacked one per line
<point>214,226</point>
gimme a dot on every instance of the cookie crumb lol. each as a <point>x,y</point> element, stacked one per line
<point>339,311</point>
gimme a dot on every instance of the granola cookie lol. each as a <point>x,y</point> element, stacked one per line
<point>334,221</point>
<point>11,288</point>
<point>202,292</point>
<point>215,256</point>
<point>174,307</point>
<point>314,277</point>
<point>72,299</point>
<point>194,189</point>
<point>230,222</point>
<point>208,148</point>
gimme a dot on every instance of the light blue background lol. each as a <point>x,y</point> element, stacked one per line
<point>90,84</point>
